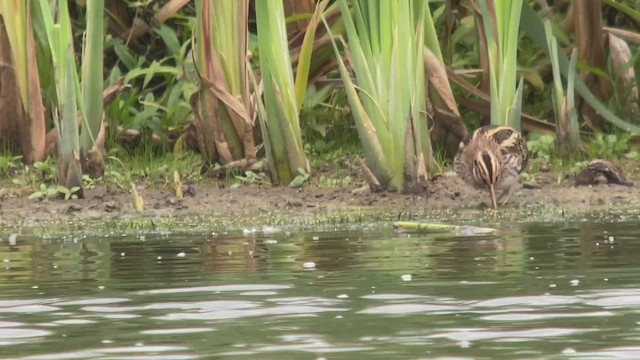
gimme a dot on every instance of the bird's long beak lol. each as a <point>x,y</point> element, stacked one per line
<point>493,197</point>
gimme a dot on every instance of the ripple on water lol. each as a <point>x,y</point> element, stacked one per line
<point>220,288</point>
<point>392,296</point>
<point>543,316</point>
<point>227,314</point>
<point>94,301</point>
<point>176,331</point>
<point>623,352</point>
<point>155,352</point>
<point>396,309</point>
<point>479,334</point>
<point>74,322</point>
<point>611,302</point>
<point>195,305</point>
<point>28,309</point>
<point>541,300</point>
<point>16,335</point>
<point>258,293</point>
<point>312,343</point>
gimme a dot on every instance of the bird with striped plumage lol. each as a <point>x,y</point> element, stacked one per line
<point>492,158</point>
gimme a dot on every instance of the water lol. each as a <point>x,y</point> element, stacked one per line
<point>531,291</point>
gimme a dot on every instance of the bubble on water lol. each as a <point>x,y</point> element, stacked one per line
<point>181,254</point>
<point>465,344</point>
<point>101,287</point>
<point>406,277</point>
<point>574,282</point>
<point>271,241</point>
<point>568,351</point>
<point>338,316</point>
<point>159,258</point>
<point>342,296</point>
<point>35,287</point>
<point>606,279</point>
<point>611,239</point>
<point>6,260</point>
<point>552,285</point>
<point>309,265</point>
<point>106,341</point>
<point>316,238</point>
<point>122,254</point>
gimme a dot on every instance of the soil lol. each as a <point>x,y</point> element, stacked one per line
<point>445,197</point>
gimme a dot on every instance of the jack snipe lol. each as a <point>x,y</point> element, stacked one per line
<point>492,158</point>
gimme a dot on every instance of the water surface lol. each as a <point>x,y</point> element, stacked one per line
<point>530,291</point>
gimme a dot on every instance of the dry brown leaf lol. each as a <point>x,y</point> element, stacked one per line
<point>437,75</point>
<point>628,36</point>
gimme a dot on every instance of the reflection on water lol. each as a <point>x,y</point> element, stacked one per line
<point>531,291</point>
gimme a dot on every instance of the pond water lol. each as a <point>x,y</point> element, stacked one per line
<point>569,290</point>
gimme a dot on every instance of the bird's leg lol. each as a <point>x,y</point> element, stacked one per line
<point>493,197</point>
<point>505,195</point>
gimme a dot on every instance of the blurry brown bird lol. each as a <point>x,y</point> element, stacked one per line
<point>492,158</point>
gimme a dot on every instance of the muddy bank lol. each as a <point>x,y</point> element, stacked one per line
<point>447,198</point>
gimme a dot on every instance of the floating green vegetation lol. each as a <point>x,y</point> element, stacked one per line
<point>289,221</point>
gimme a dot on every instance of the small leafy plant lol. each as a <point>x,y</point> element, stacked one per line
<point>48,170</point>
<point>9,164</point>
<point>541,147</point>
<point>609,146</point>
<point>46,192</point>
<point>115,179</point>
<point>300,179</point>
<point>334,182</point>
<point>249,178</point>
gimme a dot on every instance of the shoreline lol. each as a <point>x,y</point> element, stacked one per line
<point>446,199</point>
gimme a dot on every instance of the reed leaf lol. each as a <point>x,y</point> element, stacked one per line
<point>224,114</point>
<point>20,59</point>
<point>91,103</point>
<point>501,22</point>
<point>282,124</point>
<point>385,50</point>
<point>67,88</point>
<point>16,21</point>
<point>306,51</point>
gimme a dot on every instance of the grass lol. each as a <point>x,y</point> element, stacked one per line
<point>122,168</point>
<point>155,170</point>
